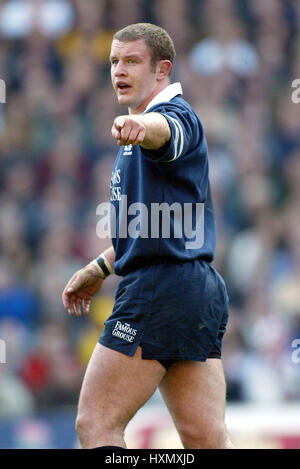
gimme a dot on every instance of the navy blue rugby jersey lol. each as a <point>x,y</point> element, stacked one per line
<point>161,207</point>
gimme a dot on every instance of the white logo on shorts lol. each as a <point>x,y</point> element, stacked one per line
<point>124,331</point>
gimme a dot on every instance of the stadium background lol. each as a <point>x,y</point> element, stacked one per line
<point>236,61</point>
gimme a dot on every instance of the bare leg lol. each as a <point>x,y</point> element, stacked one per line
<point>195,394</point>
<point>115,386</point>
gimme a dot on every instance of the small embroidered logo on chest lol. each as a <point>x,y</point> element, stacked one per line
<point>127,150</point>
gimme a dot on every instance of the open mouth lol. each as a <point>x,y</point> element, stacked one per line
<point>123,87</point>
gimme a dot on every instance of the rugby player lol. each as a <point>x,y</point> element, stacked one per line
<point>171,305</point>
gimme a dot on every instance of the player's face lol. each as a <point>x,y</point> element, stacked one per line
<point>132,74</point>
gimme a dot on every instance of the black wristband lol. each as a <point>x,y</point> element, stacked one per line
<point>101,263</point>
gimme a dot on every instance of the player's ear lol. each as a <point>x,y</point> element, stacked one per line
<point>164,68</point>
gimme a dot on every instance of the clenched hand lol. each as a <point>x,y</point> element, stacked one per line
<point>128,130</point>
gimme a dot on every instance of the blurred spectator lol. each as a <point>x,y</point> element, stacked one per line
<point>51,371</point>
<point>50,17</point>
<point>226,48</point>
<point>18,300</point>
<point>15,399</point>
<point>89,37</point>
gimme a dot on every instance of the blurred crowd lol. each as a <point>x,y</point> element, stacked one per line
<point>236,60</point>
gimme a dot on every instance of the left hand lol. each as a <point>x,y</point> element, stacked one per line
<point>128,130</point>
<point>78,292</point>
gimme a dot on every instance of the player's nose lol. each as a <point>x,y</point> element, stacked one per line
<point>120,69</point>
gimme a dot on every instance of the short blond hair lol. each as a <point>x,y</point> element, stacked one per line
<point>158,41</point>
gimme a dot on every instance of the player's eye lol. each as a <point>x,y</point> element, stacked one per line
<point>114,61</point>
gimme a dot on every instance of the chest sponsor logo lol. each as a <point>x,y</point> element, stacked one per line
<point>124,331</point>
<point>115,186</point>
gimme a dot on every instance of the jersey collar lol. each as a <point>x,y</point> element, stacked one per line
<point>166,94</point>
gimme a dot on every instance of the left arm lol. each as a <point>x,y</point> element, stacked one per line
<point>150,130</point>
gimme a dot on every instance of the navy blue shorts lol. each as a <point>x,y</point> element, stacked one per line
<point>174,311</point>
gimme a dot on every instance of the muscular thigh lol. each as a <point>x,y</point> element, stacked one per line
<point>115,386</point>
<point>195,394</point>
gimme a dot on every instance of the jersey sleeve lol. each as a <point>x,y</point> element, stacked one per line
<point>186,132</point>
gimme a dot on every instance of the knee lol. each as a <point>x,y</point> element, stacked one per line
<point>89,426</point>
<point>83,427</point>
<point>197,436</point>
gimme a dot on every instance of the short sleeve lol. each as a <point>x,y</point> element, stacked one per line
<point>186,133</point>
